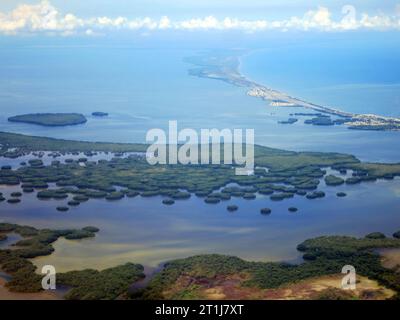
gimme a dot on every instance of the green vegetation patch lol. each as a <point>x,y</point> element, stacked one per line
<point>108,284</point>
<point>50,119</point>
<point>332,180</point>
<point>323,256</point>
<point>265,211</point>
<point>232,208</point>
<point>35,243</point>
<point>85,285</point>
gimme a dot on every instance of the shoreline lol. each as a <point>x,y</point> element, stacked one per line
<point>220,70</point>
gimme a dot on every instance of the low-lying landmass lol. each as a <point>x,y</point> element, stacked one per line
<point>226,277</point>
<point>50,119</point>
<point>288,174</point>
<point>14,145</point>
<point>226,68</point>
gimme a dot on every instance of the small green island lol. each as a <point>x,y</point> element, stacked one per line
<point>99,114</point>
<point>50,119</point>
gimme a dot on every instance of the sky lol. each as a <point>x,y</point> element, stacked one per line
<point>97,17</point>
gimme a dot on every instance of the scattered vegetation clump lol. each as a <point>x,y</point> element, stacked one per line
<point>99,114</point>
<point>266,191</point>
<point>150,193</point>
<point>132,194</point>
<point>62,208</point>
<point>36,163</point>
<point>115,196</point>
<point>353,180</point>
<point>95,194</point>
<point>332,180</point>
<point>232,208</point>
<point>202,194</point>
<point>14,200</point>
<point>80,198</point>
<point>52,194</point>
<point>396,234</point>
<point>265,211</point>
<point>79,234</point>
<point>280,174</point>
<point>180,195</point>
<point>168,201</point>
<point>281,196</point>
<point>375,235</point>
<point>249,196</point>
<point>315,195</point>
<point>16,194</point>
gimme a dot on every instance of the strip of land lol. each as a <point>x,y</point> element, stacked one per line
<point>226,68</point>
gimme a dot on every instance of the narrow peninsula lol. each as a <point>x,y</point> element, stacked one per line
<point>226,68</point>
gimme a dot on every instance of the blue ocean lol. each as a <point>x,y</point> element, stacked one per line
<point>352,73</point>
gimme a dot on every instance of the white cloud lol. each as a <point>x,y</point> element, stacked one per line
<point>43,17</point>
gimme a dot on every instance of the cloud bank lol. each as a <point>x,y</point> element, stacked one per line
<point>45,18</point>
